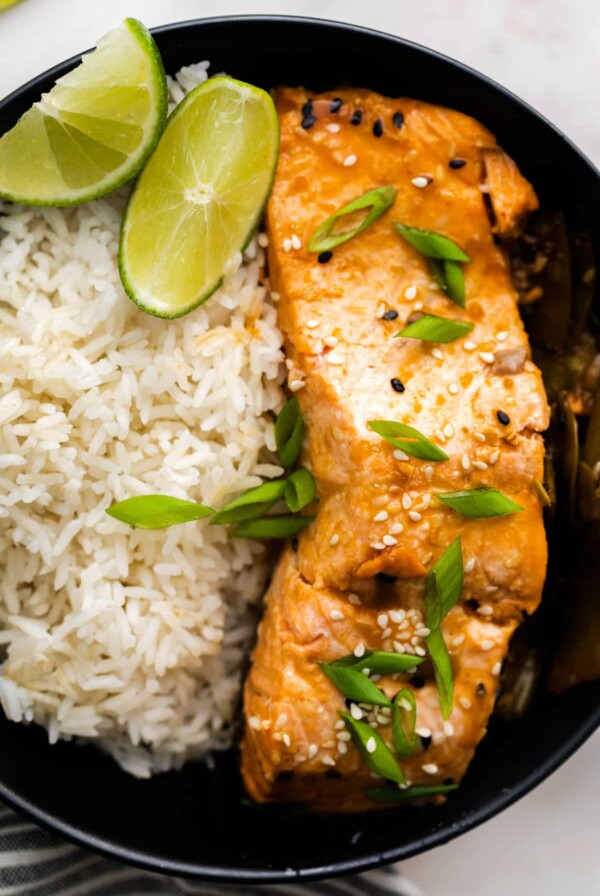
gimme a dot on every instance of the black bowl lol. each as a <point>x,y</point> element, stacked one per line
<point>193,822</point>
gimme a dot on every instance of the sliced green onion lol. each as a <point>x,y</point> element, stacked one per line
<point>354,685</point>
<point>442,668</point>
<point>404,721</point>
<point>378,201</point>
<point>436,269</point>
<point>380,662</point>
<point>289,432</point>
<point>444,584</point>
<point>431,328</point>
<point>374,751</point>
<point>455,283</point>
<point>271,527</point>
<point>480,502</point>
<point>300,490</point>
<point>431,244</point>
<point>395,795</point>
<point>408,439</point>
<point>157,511</point>
<point>251,503</point>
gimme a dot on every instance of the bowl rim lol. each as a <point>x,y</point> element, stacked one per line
<point>494,804</point>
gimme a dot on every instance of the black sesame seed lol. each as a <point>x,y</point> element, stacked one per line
<point>324,257</point>
<point>378,128</point>
<point>417,682</point>
<point>285,774</point>
<point>480,690</point>
<point>294,544</point>
<point>426,742</point>
<point>356,117</point>
<point>398,119</point>
<point>397,385</point>
<point>503,418</point>
<point>333,773</point>
<point>307,109</point>
<point>392,314</point>
<point>336,105</point>
<point>383,577</point>
<point>308,121</point>
<point>457,163</point>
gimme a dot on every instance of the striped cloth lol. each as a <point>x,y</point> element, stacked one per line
<point>35,862</point>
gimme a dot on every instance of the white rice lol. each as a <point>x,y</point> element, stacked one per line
<point>133,639</point>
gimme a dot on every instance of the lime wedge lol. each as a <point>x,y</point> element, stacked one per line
<point>200,197</point>
<point>94,130</point>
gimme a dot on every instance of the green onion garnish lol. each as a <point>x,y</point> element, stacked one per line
<point>436,329</point>
<point>404,721</point>
<point>157,511</point>
<point>395,795</point>
<point>300,490</point>
<point>431,244</point>
<point>289,432</point>
<point>454,283</point>
<point>271,527</point>
<point>354,685</point>
<point>436,269</point>
<point>408,439</point>
<point>326,237</point>
<point>444,584</point>
<point>373,749</point>
<point>480,502</point>
<point>251,503</point>
<point>380,662</point>
<point>442,668</point>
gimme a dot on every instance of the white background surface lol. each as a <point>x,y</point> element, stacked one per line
<point>546,51</point>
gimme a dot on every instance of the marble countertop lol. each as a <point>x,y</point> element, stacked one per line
<point>545,51</point>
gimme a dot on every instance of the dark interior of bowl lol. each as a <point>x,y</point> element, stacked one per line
<point>195,822</point>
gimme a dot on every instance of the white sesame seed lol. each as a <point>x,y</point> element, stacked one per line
<point>389,540</point>
<point>342,747</point>
<point>404,625</point>
<point>336,615</point>
<point>410,293</point>
<point>263,240</point>
<point>479,436</point>
<point>287,740</point>
<point>465,462</point>
<point>334,539</point>
<point>296,241</point>
<point>327,760</point>
<point>502,336</point>
<point>371,745</point>
<point>464,702</point>
<point>453,388</point>
<point>339,725</point>
<point>487,357</point>
<point>430,768</point>
<point>409,649</point>
<point>334,358</point>
<point>350,160</point>
<point>382,620</point>
<point>440,436</point>
<point>332,128</point>
<point>414,515</point>
<point>331,341</point>
<point>437,353</point>
<point>456,642</point>
<point>381,719</point>
<point>480,465</point>
<point>417,306</point>
<point>312,751</point>
<point>281,720</point>
<point>494,457</point>
<point>470,564</point>
<point>399,454</point>
<point>423,732</point>
<point>420,651</point>
<point>287,245</point>
<point>496,668</point>
<point>421,182</point>
<point>396,615</point>
<point>406,501</point>
<point>344,735</point>
<point>328,744</point>
<point>487,645</point>
<point>377,545</point>
<point>448,729</point>
<point>428,472</point>
<point>469,346</point>
<point>312,323</point>
<point>354,599</point>
<point>296,385</point>
<point>448,430</point>
<point>485,610</point>
<point>396,529</point>
<point>380,517</point>
<point>359,650</point>
<point>385,634</point>
<point>356,712</point>
<point>423,631</point>
<point>398,647</point>
<point>254,722</point>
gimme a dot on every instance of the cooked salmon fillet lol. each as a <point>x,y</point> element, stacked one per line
<point>356,575</point>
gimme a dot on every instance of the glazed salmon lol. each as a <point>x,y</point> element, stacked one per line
<point>356,578</point>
